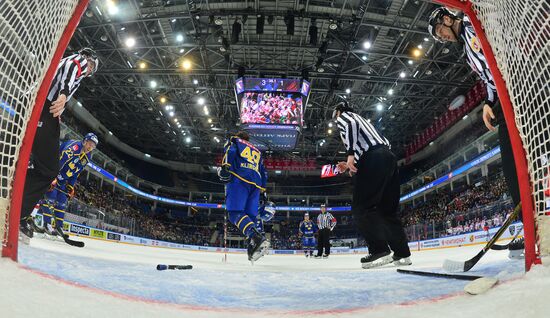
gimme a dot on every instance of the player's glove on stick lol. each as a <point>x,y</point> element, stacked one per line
<point>224,175</point>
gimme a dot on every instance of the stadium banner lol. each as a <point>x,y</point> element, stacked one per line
<point>98,233</point>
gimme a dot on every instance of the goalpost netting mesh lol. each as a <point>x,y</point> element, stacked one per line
<point>30,31</point>
<point>519,34</point>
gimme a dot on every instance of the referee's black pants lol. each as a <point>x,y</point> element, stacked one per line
<point>508,164</point>
<point>44,161</point>
<point>376,201</point>
<point>323,242</point>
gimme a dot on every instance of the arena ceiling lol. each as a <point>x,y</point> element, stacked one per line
<point>188,50</point>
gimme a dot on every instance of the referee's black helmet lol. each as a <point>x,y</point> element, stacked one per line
<point>342,106</point>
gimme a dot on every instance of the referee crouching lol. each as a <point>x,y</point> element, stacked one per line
<point>376,188</point>
<point>326,223</point>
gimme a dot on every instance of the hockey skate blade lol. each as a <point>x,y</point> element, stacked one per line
<point>378,263</point>
<point>451,266</point>
<point>480,285</point>
<point>261,252</point>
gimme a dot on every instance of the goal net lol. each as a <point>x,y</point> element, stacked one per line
<point>518,33</point>
<point>33,37</point>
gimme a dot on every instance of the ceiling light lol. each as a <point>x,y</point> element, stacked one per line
<point>187,139</point>
<point>209,120</point>
<point>410,62</point>
<point>142,65</point>
<point>329,131</point>
<point>379,107</point>
<point>182,50</point>
<point>186,64</point>
<point>218,21</point>
<point>206,111</point>
<point>112,8</point>
<point>171,114</point>
<point>179,38</point>
<point>348,90</point>
<point>465,117</point>
<point>122,29</point>
<point>367,45</point>
<point>426,39</point>
<point>173,20</point>
<point>416,53</point>
<point>364,57</point>
<point>130,42</point>
<point>147,155</point>
<point>195,81</point>
<point>419,46</point>
<point>200,101</point>
<point>402,74</point>
<point>368,120</point>
<point>332,25</point>
<point>330,124</point>
<point>153,84</point>
<point>163,99</point>
<point>390,91</point>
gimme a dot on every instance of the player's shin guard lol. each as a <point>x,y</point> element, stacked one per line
<point>47,212</point>
<point>59,217</point>
<point>242,221</point>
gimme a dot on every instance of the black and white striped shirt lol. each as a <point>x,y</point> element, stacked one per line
<point>358,134</point>
<point>476,59</point>
<point>326,220</point>
<point>70,71</point>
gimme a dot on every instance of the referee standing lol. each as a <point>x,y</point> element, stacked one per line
<point>44,161</point>
<point>326,223</point>
<point>376,188</point>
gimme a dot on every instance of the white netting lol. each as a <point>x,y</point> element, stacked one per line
<point>519,34</point>
<point>29,33</point>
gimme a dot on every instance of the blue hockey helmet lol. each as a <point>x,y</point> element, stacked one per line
<point>92,137</point>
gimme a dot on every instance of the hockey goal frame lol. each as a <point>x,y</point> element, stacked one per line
<point>10,248</point>
<point>520,156</point>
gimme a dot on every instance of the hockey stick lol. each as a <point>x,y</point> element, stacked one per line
<point>458,266</point>
<point>162,267</point>
<point>440,275</point>
<point>71,242</point>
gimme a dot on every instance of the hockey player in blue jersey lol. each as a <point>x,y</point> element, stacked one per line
<point>72,160</point>
<point>245,177</point>
<point>307,231</point>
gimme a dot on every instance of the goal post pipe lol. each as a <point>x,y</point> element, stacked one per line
<point>520,157</point>
<point>10,250</point>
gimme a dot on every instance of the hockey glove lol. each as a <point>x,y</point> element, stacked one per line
<point>70,191</point>
<point>224,175</point>
<point>52,185</point>
<point>267,211</point>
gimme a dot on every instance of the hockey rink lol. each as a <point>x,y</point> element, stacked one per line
<point>106,279</point>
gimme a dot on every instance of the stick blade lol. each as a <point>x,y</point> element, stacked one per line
<point>451,266</point>
<point>480,285</point>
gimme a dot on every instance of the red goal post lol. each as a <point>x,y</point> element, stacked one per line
<point>514,36</point>
<point>33,37</point>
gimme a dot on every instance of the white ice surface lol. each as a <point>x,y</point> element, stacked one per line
<point>117,280</point>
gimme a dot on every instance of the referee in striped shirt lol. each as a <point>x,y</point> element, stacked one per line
<point>326,223</point>
<point>376,189</point>
<point>44,162</point>
<point>445,26</point>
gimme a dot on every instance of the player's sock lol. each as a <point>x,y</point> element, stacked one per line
<point>242,222</point>
<point>59,217</point>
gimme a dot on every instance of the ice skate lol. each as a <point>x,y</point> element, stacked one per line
<point>376,260</point>
<point>401,261</point>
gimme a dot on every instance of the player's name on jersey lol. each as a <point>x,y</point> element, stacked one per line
<point>249,166</point>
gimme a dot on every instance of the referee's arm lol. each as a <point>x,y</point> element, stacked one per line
<point>346,135</point>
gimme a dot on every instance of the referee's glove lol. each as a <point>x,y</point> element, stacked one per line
<point>224,175</point>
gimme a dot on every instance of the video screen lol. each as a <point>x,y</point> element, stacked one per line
<point>271,108</point>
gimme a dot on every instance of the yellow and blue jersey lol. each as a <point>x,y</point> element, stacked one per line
<point>308,228</point>
<point>245,162</point>
<point>72,161</point>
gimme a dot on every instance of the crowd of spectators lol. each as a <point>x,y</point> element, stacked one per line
<point>453,213</point>
<point>472,208</point>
